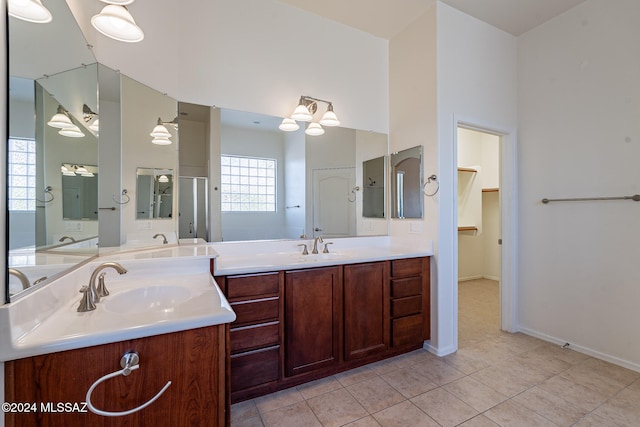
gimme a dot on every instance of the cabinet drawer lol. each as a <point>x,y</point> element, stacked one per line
<point>254,368</point>
<point>406,306</point>
<point>407,331</point>
<point>253,285</point>
<point>256,311</point>
<point>406,267</point>
<point>256,336</point>
<point>406,287</point>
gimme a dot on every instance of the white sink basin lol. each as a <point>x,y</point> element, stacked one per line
<point>151,298</point>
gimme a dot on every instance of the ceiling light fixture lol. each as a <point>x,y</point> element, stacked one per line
<point>304,112</point>
<point>116,22</point>
<point>30,11</point>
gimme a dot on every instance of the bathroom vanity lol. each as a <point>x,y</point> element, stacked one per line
<point>163,321</point>
<point>304,317</point>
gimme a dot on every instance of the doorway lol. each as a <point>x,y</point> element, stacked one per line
<point>479,234</point>
<point>334,211</point>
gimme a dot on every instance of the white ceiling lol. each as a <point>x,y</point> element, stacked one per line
<point>386,18</point>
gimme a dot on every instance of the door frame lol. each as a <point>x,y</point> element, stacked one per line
<point>508,220</point>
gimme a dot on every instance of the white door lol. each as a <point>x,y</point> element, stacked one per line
<point>334,210</point>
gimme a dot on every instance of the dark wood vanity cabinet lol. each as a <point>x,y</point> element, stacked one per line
<point>313,317</point>
<point>255,337</point>
<point>366,310</point>
<point>410,302</point>
<point>299,325</point>
<point>193,360</point>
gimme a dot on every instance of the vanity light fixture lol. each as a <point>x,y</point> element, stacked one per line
<point>87,114</point>
<point>314,129</point>
<point>160,132</point>
<point>95,126</point>
<point>304,112</point>
<point>30,11</point>
<point>61,119</point>
<point>289,125</point>
<point>116,22</point>
<point>163,178</point>
<point>72,132</point>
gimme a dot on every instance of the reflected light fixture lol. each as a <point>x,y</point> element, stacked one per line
<point>116,22</point>
<point>30,11</point>
<point>72,132</point>
<point>163,178</point>
<point>161,134</point>
<point>61,119</point>
<point>304,112</point>
<point>95,126</point>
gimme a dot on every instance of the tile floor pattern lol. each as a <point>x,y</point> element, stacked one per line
<point>495,379</point>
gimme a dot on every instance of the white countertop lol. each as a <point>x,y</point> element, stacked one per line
<point>262,256</point>
<point>46,320</point>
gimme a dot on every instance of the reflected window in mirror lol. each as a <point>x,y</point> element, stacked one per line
<point>406,183</point>
<point>154,193</point>
<point>248,184</point>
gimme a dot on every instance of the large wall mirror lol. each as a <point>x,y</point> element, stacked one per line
<point>312,185</point>
<point>52,216</point>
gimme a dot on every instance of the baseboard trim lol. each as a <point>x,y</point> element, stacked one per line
<point>585,350</point>
<point>438,351</point>
<point>480,276</point>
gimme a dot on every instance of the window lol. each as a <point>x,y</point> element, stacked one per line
<point>248,184</point>
<point>22,174</point>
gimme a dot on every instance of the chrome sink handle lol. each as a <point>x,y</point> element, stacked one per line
<point>86,303</point>
<point>304,251</point>
<point>326,249</point>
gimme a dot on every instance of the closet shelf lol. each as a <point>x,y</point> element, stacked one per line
<point>467,170</point>
<point>490,190</point>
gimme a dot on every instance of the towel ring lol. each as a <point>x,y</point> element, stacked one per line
<point>433,178</point>
<point>124,195</point>
<point>47,190</point>
<point>129,362</point>
<point>353,191</point>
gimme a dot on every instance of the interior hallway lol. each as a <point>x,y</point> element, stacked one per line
<point>495,379</point>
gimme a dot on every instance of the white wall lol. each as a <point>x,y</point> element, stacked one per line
<point>462,70</point>
<point>579,110</point>
<point>251,55</point>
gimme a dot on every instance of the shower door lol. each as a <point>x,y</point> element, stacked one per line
<point>194,212</point>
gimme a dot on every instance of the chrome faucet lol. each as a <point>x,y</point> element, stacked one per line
<point>315,244</point>
<point>164,238</point>
<point>98,292</point>
<point>63,238</point>
<point>21,276</point>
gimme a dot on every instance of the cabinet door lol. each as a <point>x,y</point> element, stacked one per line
<point>313,303</point>
<point>366,310</point>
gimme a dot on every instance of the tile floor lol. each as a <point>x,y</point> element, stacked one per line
<point>495,379</point>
